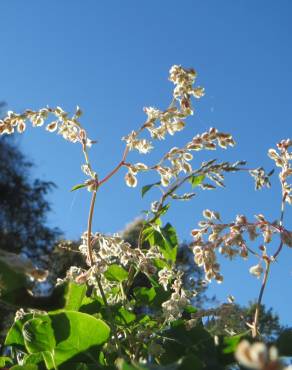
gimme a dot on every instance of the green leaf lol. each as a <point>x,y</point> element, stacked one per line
<point>124,316</point>
<point>196,180</point>
<point>146,188</point>
<point>14,336</point>
<point>163,210</point>
<point>123,365</point>
<point>165,238</point>
<point>190,362</point>
<point>5,361</point>
<point>116,273</point>
<point>76,333</point>
<point>74,295</point>
<point>79,186</point>
<point>284,343</point>
<point>144,296</point>
<point>161,295</point>
<point>91,305</point>
<point>230,343</point>
<point>39,335</point>
<point>160,263</point>
<point>81,366</point>
<point>180,342</point>
<point>60,336</point>
<point>25,367</point>
<point>190,309</point>
<point>170,242</point>
<point>36,359</point>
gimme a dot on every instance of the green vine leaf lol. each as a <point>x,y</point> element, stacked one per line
<point>146,188</point>
<point>79,186</point>
<point>196,180</point>
<point>61,336</point>
<point>5,361</point>
<point>116,273</point>
<point>14,336</point>
<point>74,294</point>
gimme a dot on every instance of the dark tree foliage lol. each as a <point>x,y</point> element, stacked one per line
<point>23,211</point>
<point>23,207</point>
<point>234,322</point>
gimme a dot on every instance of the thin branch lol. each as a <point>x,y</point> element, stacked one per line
<point>122,163</point>
<point>109,312</point>
<point>89,227</point>
<point>275,255</point>
<point>258,305</point>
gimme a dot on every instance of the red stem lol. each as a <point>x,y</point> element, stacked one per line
<point>122,163</point>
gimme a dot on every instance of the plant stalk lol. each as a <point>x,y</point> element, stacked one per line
<point>257,312</point>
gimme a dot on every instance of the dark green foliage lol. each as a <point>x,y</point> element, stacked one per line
<point>23,207</point>
<point>23,212</point>
<point>235,321</point>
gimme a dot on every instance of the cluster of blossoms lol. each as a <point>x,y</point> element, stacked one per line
<point>258,356</point>
<point>110,249</point>
<point>184,79</point>
<point>68,127</point>
<point>159,123</point>
<point>261,178</point>
<point>209,140</point>
<point>282,159</point>
<point>174,307</point>
<point>165,275</point>
<point>133,169</point>
<point>133,142</point>
<point>179,160</point>
<point>170,121</point>
<point>229,240</point>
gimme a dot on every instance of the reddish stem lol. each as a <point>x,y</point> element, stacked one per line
<point>122,163</point>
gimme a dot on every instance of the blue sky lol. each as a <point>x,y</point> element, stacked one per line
<point>112,58</point>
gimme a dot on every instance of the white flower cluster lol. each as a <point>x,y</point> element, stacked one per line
<point>205,257</point>
<point>133,169</point>
<point>142,145</point>
<point>68,127</point>
<point>258,356</point>
<point>179,159</point>
<point>76,274</point>
<point>173,308</point>
<point>261,178</point>
<point>229,240</point>
<point>165,275</point>
<point>184,79</point>
<point>159,123</point>
<point>209,139</point>
<point>110,249</point>
<point>170,122</point>
<point>282,160</point>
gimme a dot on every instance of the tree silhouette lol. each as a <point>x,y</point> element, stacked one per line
<point>23,207</point>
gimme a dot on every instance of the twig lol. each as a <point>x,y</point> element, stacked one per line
<point>122,163</point>
<point>257,312</point>
<point>89,226</point>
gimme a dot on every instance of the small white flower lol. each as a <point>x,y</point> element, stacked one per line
<point>252,356</point>
<point>155,206</point>
<point>256,270</point>
<point>131,180</point>
<point>52,126</point>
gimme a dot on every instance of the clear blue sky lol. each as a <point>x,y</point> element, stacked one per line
<point>112,58</point>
